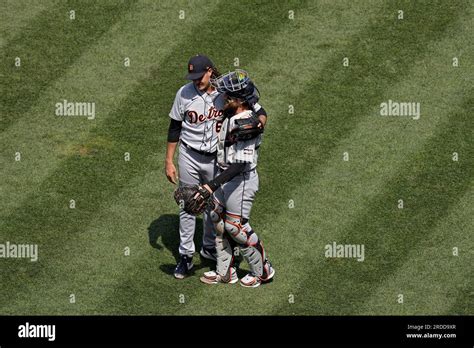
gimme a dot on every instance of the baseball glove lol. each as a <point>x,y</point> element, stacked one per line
<point>192,199</point>
<point>246,129</point>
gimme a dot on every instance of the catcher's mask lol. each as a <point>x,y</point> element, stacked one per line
<point>237,84</point>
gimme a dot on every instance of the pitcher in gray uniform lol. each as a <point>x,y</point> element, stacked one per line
<point>195,120</point>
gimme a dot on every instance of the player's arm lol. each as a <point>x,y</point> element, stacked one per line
<point>174,132</point>
<point>262,116</point>
<point>170,169</point>
<point>261,113</point>
<point>227,175</point>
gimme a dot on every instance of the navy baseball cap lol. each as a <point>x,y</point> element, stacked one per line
<point>197,66</point>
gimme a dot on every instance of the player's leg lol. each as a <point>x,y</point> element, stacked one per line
<point>252,250</point>
<point>188,175</point>
<point>239,200</point>
<point>207,171</point>
<point>225,272</point>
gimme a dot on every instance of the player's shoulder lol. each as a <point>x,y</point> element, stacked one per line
<point>187,91</point>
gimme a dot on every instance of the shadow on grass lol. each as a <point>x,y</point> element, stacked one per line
<point>167,227</point>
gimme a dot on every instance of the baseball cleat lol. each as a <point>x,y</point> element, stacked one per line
<point>250,281</point>
<point>212,277</point>
<point>183,267</point>
<point>208,253</point>
<point>268,272</point>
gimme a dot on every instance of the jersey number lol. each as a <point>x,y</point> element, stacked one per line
<point>218,126</point>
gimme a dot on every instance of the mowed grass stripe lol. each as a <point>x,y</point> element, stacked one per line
<point>15,15</point>
<point>432,279</point>
<point>429,185</point>
<point>340,194</point>
<point>99,76</point>
<point>47,46</point>
<point>332,200</point>
<point>336,101</point>
<point>96,265</point>
<point>97,178</point>
<point>464,304</point>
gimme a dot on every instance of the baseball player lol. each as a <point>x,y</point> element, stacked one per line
<point>196,118</point>
<point>236,185</point>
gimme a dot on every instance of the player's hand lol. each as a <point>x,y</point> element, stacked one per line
<point>171,173</point>
<point>206,186</point>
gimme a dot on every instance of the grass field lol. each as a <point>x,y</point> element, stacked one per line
<point>310,194</point>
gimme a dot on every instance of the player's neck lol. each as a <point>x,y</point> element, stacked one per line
<point>210,89</point>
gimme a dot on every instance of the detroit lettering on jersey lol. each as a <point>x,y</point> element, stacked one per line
<point>201,114</point>
<point>213,113</point>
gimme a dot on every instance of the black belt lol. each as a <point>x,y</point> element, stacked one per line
<point>204,153</point>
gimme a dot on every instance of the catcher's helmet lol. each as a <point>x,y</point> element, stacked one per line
<point>237,84</point>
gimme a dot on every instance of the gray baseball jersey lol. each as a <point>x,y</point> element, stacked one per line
<point>241,151</point>
<point>201,114</point>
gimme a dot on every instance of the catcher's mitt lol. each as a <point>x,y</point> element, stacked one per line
<point>246,129</point>
<point>192,199</point>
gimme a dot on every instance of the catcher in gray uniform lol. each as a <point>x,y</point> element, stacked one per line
<point>235,186</point>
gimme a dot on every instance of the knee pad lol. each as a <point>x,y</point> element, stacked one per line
<point>235,230</point>
<point>252,238</point>
<point>250,245</point>
<point>242,233</point>
<point>225,256</point>
<point>217,216</point>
